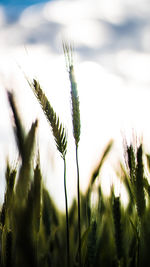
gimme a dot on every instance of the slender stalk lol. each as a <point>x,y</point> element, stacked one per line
<point>78,194</point>
<point>76,125</point>
<point>67,219</point>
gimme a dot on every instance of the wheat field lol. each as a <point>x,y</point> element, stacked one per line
<point>34,232</point>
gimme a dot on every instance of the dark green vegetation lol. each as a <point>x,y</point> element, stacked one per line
<point>33,232</point>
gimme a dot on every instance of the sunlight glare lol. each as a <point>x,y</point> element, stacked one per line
<point>86,33</point>
<point>75,11</point>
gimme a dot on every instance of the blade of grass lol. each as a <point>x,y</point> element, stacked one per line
<point>18,128</point>
<point>98,168</point>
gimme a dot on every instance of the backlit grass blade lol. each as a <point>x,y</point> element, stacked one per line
<point>18,128</point>
<point>98,168</point>
<point>23,181</point>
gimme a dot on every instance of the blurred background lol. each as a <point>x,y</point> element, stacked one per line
<point>111,40</point>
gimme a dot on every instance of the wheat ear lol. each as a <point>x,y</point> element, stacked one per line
<point>57,127</point>
<point>131,163</point>
<point>74,93</point>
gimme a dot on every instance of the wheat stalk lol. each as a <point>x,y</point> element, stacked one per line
<point>140,195</point>
<point>91,244</point>
<point>117,226</point>
<point>68,52</point>
<point>60,137</point>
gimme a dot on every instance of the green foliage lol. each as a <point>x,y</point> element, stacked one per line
<point>33,232</point>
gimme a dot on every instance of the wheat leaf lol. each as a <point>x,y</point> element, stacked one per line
<point>98,168</point>
<point>18,128</point>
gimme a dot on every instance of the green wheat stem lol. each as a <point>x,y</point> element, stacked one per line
<point>140,194</point>
<point>78,196</point>
<point>60,137</point>
<point>67,217</point>
<point>118,227</point>
<point>68,52</point>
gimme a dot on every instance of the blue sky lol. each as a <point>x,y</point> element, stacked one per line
<point>22,2</point>
<point>14,8</point>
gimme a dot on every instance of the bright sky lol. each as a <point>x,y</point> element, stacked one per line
<point>112,63</point>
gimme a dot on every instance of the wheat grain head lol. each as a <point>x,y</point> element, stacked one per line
<point>58,130</point>
<point>68,52</point>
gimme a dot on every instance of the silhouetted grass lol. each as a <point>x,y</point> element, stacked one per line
<point>33,232</point>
